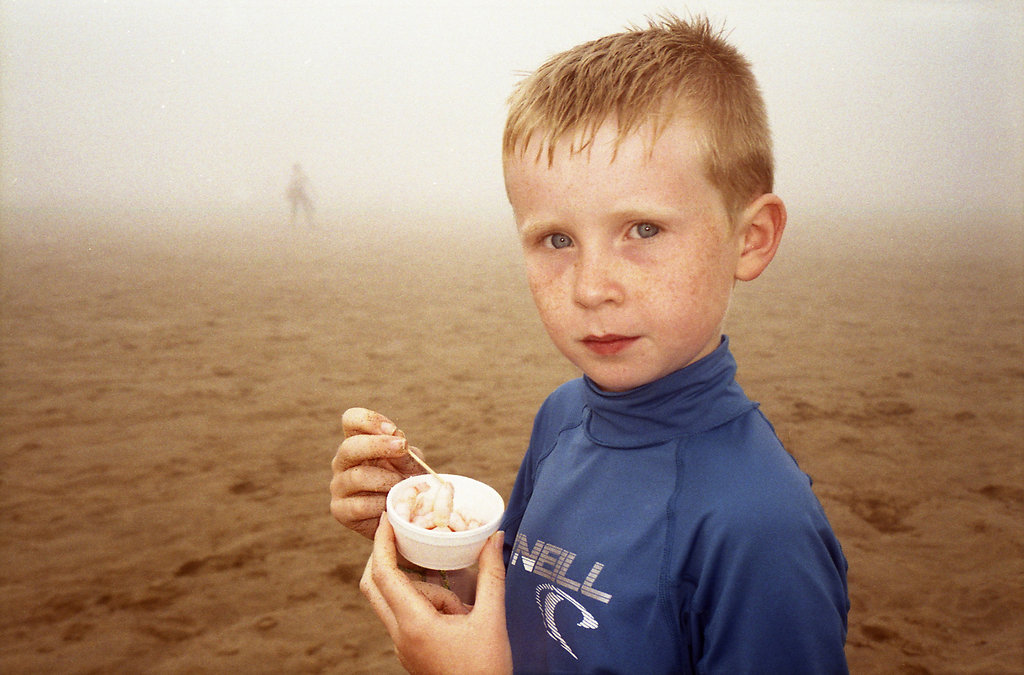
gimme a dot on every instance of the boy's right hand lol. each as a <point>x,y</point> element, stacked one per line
<point>369,462</point>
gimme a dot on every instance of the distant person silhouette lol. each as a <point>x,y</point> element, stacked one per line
<point>298,195</point>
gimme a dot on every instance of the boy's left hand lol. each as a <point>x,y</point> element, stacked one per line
<point>433,631</point>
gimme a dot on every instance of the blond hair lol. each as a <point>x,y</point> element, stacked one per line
<point>654,75</point>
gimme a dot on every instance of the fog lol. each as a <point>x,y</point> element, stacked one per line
<point>897,107</point>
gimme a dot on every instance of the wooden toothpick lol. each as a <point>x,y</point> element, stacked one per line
<point>433,473</point>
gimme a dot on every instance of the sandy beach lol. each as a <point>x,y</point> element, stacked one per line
<point>171,390</point>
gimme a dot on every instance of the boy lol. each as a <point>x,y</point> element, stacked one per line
<point>656,524</point>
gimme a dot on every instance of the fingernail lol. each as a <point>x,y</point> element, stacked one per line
<point>388,427</point>
<point>498,540</point>
<point>397,443</point>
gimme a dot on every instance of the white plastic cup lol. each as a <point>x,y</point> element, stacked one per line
<point>449,550</point>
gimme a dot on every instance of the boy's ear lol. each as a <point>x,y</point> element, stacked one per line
<point>760,229</point>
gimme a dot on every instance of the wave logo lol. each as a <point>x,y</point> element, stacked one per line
<point>548,597</point>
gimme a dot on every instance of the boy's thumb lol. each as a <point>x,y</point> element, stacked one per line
<point>490,583</point>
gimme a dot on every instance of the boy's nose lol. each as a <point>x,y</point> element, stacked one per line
<point>597,280</point>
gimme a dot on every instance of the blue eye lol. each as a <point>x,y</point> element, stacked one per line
<point>644,230</point>
<point>559,240</point>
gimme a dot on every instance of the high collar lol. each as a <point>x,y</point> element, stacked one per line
<point>701,396</point>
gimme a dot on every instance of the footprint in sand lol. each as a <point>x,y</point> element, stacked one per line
<point>219,562</point>
<point>883,512</point>
<point>1007,494</point>
<point>349,574</point>
<point>253,490</point>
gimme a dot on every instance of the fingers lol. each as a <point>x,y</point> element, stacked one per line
<point>394,587</point>
<point>362,421</point>
<point>357,449</point>
<point>372,438</point>
<point>490,583</point>
<point>490,606</point>
<point>370,461</point>
<point>365,478</point>
<point>359,513</point>
<point>442,599</point>
<point>421,622</point>
<point>407,465</point>
<point>385,565</point>
<point>395,599</point>
<point>377,602</point>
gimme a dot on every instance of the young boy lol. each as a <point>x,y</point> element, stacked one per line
<point>656,525</point>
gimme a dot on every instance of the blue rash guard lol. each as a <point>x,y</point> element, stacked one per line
<point>666,530</point>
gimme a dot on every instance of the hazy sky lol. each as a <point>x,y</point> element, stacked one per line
<point>894,105</point>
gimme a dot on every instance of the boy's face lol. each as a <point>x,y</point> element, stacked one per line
<point>629,253</point>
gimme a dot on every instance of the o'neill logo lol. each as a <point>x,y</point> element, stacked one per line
<point>547,598</point>
<point>553,563</point>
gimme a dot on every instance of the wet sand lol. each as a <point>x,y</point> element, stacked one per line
<point>171,391</point>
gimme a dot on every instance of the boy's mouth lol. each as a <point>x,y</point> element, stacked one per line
<point>606,345</point>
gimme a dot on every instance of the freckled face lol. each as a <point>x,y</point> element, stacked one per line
<point>629,254</point>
